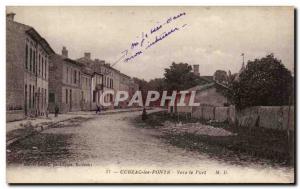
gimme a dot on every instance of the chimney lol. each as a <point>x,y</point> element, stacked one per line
<point>64,52</point>
<point>196,69</point>
<point>87,55</point>
<point>10,16</point>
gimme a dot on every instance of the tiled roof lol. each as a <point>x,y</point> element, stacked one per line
<point>35,35</point>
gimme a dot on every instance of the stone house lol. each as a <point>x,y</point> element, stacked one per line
<point>110,80</point>
<point>27,63</point>
<point>209,95</point>
<point>86,87</point>
<point>65,83</point>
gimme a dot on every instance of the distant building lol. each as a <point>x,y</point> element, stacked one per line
<point>211,94</point>
<point>27,65</point>
<point>65,88</point>
<point>97,89</point>
<point>86,89</point>
<point>110,78</point>
<point>196,69</point>
<point>127,84</point>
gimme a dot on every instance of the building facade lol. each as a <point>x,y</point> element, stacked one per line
<point>105,78</point>
<point>86,89</point>
<point>27,68</point>
<point>65,87</point>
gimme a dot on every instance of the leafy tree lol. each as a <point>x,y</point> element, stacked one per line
<point>143,87</point>
<point>264,82</point>
<point>221,76</point>
<point>180,76</point>
<point>157,84</point>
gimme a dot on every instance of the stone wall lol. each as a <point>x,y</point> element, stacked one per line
<point>14,115</point>
<point>15,66</point>
<point>273,117</point>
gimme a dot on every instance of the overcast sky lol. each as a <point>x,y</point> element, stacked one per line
<point>212,37</point>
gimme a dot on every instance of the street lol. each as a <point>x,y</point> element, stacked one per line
<point>114,140</point>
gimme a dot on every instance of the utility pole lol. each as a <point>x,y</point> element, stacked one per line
<point>243,65</point>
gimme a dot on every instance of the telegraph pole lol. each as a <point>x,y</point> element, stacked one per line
<point>243,55</point>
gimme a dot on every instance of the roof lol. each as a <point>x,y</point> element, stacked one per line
<point>90,62</point>
<point>208,78</point>
<point>71,61</point>
<point>124,75</point>
<point>35,35</point>
<point>207,86</point>
<point>87,71</point>
<point>94,73</point>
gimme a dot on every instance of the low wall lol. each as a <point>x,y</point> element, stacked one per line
<point>14,115</point>
<point>220,114</point>
<point>274,117</point>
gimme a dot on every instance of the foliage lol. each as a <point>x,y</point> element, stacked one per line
<point>221,76</point>
<point>157,84</point>
<point>264,82</point>
<point>180,76</point>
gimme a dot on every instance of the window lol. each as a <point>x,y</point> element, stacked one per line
<point>42,67</point>
<point>42,97</point>
<point>39,64</point>
<point>66,96</point>
<point>94,96</point>
<point>25,99</point>
<point>30,60</point>
<point>46,97</point>
<point>75,74</point>
<point>45,68</point>
<point>33,96</point>
<point>70,96</point>
<point>26,57</point>
<point>79,77</point>
<point>33,61</point>
<point>29,96</point>
<point>67,78</point>
<point>51,97</point>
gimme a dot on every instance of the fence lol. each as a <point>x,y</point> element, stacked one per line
<point>275,117</point>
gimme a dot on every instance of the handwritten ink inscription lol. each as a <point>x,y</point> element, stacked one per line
<point>150,38</point>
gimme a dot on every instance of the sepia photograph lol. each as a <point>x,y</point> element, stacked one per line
<point>150,94</point>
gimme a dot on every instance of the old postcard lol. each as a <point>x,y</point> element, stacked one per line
<point>150,94</point>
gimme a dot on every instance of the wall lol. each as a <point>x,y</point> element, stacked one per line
<point>273,117</point>
<point>55,81</point>
<point>220,114</point>
<point>15,66</point>
<point>14,115</point>
<point>86,90</point>
<point>210,97</point>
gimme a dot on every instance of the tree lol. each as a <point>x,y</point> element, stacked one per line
<point>157,84</point>
<point>143,87</point>
<point>180,76</point>
<point>221,76</point>
<point>264,82</point>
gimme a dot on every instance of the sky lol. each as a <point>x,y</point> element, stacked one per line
<point>213,37</point>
